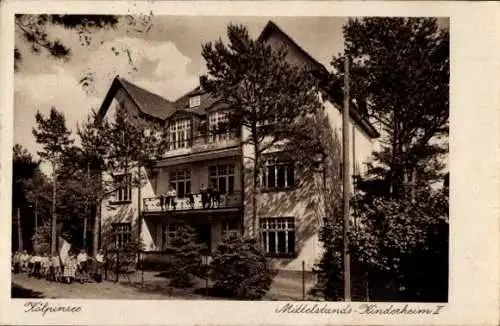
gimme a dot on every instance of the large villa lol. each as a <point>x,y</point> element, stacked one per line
<point>290,211</point>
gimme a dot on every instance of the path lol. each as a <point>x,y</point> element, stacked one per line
<point>105,290</point>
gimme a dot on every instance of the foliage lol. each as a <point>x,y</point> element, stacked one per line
<point>400,75</point>
<point>186,257</point>
<point>51,132</point>
<point>264,92</point>
<point>329,268</point>
<point>34,31</point>
<point>133,141</point>
<point>24,168</point>
<point>239,268</point>
<point>126,256</point>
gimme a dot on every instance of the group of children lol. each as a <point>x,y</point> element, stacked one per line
<point>51,267</point>
<point>210,198</point>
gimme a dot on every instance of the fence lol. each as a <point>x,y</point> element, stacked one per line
<point>136,264</point>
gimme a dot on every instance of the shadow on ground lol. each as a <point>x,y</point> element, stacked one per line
<point>18,292</point>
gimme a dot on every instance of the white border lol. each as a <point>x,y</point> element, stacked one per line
<point>474,166</point>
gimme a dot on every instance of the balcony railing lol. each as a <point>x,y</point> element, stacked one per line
<point>165,204</point>
<point>201,144</point>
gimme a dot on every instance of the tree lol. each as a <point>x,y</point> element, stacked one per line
<point>186,259</point>
<point>400,79</point>
<point>94,152</point>
<point>51,132</point>
<point>264,93</point>
<point>24,168</point>
<point>26,177</point>
<point>33,30</point>
<point>239,268</point>
<point>134,143</point>
<point>400,76</point>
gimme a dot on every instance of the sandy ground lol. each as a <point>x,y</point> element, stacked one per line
<point>145,286</point>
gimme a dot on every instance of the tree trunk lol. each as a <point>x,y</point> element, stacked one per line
<point>53,246</point>
<point>256,166</point>
<point>97,226</point>
<point>139,217</point>
<point>87,206</point>
<point>97,219</point>
<point>85,231</point>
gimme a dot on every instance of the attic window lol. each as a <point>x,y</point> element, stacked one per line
<point>194,101</point>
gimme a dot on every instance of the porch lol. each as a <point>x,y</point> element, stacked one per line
<point>179,204</point>
<point>210,225</point>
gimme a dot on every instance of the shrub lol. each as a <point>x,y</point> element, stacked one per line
<point>128,255</point>
<point>187,257</point>
<point>239,269</point>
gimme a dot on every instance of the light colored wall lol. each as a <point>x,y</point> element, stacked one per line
<point>304,202</point>
<point>127,212</point>
<point>360,144</point>
<point>199,174</point>
<point>113,212</point>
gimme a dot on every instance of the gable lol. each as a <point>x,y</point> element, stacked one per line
<point>150,105</point>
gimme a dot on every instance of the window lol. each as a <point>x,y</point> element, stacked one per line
<point>122,234</point>
<point>180,134</point>
<point>180,180</point>
<point>217,122</point>
<point>230,228</point>
<point>271,118</point>
<point>278,235</point>
<point>169,231</point>
<point>124,191</point>
<point>278,174</point>
<point>222,177</point>
<point>194,101</point>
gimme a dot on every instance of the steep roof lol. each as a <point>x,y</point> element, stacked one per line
<point>271,28</point>
<point>206,101</point>
<point>147,102</point>
<point>158,107</point>
<point>354,111</point>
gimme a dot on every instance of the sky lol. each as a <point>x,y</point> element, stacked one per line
<point>166,60</point>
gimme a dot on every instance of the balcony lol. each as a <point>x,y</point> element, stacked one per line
<point>201,144</point>
<point>154,204</point>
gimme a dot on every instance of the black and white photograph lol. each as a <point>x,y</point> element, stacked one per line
<point>163,157</point>
<point>302,161</point>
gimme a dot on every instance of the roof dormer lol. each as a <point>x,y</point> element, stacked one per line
<point>194,101</point>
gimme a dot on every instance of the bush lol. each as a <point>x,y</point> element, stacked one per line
<point>128,255</point>
<point>187,257</point>
<point>239,269</point>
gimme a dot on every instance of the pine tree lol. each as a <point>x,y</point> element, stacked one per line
<point>187,256</point>
<point>264,93</point>
<point>51,132</point>
<point>400,80</point>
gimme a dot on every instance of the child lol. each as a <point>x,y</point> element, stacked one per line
<point>16,262</point>
<point>25,262</point>
<point>70,266</point>
<point>45,264</point>
<point>99,263</point>
<point>81,260</point>
<point>55,268</point>
<point>36,261</point>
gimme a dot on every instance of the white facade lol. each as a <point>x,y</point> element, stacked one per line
<point>289,213</point>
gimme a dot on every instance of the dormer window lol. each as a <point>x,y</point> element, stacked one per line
<point>194,101</point>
